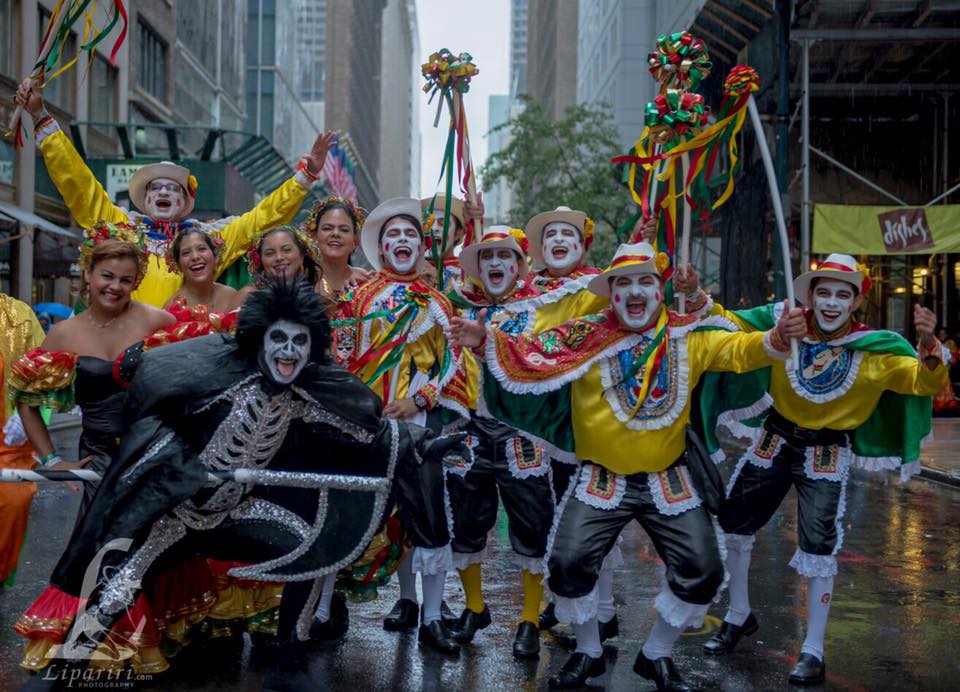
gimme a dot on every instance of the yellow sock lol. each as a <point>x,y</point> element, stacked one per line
<point>532,593</point>
<point>472,588</point>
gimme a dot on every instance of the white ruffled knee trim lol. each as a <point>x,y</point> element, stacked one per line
<point>613,559</point>
<point>739,542</point>
<point>679,613</point>
<point>431,560</point>
<point>576,611</point>
<point>534,565</point>
<point>808,565</point>
<point>464,560</point>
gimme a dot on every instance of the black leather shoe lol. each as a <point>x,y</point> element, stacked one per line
<point>438,637</point>
<point>449,619</point>
<point>610,628</point>
<point>336,625</point>
<point>576,671</point>
<point>726,639</point>
<point>404,616</point>
<point>468,624</point>
<point>548,618</point>
<point>809,670</point>
<point>660,672</point>
<point>527,642</point>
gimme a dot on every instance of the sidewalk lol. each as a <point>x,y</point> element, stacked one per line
<point>941,457</point>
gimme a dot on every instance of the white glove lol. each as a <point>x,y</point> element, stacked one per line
<point>13,433</point>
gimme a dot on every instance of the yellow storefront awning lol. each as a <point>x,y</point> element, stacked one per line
<point>867,230</point>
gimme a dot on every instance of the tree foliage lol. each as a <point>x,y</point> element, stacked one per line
<point>550,163</point>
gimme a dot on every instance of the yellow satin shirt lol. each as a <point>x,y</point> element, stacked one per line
<point>89,203</point>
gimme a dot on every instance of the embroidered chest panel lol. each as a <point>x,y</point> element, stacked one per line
<point>666,396</point>
<point>502,318</point>
<point>826,372</point>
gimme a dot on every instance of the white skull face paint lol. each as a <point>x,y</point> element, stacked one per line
<point>400,245</point>
<point>636,299</point>
<point>562,247</point>
<point>498,270</point>
<point>165,199</point>
<point>833,303</point>
<point>286,351</point>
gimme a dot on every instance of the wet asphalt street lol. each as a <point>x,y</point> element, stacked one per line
<point>895,621</point>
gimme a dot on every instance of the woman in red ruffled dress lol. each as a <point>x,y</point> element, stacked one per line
<point>88,360</point>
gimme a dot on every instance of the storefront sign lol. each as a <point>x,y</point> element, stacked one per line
<point>863,230</point>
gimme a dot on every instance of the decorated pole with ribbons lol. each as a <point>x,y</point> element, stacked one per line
<point>448,78</point>
<point>63,18</point>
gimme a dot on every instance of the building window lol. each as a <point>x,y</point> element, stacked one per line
<point>152,63</point>
<point>103,91</point>
<point>7,44</point>
<point>59,91</point>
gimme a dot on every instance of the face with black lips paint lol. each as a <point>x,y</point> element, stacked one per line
<point>285,352</point>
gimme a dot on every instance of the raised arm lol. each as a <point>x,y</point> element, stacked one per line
<point>81,191</point>
<point>277,208</point>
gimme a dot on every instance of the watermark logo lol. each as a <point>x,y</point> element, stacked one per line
<point>91,640</point>
<point>905,230</point>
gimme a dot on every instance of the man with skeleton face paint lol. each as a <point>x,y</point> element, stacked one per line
<point>831,414</point>
<point>267,402</point>
<point>390,334</point>
<point>164,193</point>
<point>614,390</point>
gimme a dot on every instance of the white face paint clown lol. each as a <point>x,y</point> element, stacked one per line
<point>636,299</point>
<point>286,351</point>
<point>833,302</point>
<point>562,247</point>
<point>498,270</point>
<point>400,245</point>
<point>165,199</point>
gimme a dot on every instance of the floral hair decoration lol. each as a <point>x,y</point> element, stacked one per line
<point>312,224</point>
<point>102,231</point>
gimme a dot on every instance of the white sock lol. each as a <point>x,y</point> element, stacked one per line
<point>819,595</point>
<point>605,607</point>
<point>407,579</point>
<point>661,640</point>
<point>738,565</point>
<point>432,595</point>
<point>322,613</point>
<point>588,638</point>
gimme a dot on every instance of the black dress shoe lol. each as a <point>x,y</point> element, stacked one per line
<point>660,672</point>
<point>438,637</point>
<point>576,671</point>
<point>809,670</point>
<point>610,628</point>
<point>468,624</point>
<point>336,625</point>
<point>404,616</point>
<point>726,639</point>
<point>527,642</point>
<point>449,619</point>
<point>548,618</point>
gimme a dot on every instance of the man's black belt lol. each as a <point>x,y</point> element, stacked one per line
<point>804,437</point>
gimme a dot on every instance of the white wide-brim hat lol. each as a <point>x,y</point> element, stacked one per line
<point>630,258</point>
<point>535,226</point>
<point>836,266</point>
<point>370,233</point>
<point>493,237</point>
<point>164,169</point>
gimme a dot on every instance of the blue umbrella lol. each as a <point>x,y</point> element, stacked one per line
<point>54,309</point>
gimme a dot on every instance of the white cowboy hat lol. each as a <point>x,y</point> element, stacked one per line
<point>836,266</point>
<point>370,233</point>
<point>630,258</point>
<point>535,227</point>
<point>163,169</point>
<point>493,237</point>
